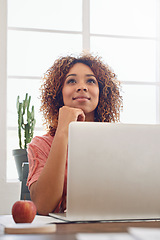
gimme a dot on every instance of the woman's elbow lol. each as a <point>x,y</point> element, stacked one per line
<point>43,204</point>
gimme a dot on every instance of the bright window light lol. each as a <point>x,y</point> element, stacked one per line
<point>123,17</point>
<point>46,14</point>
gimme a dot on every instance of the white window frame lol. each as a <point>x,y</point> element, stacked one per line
<point>9,191</point>
<point>3,86</point>
<point>158,65</point>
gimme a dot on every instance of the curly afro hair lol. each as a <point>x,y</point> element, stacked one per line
<point>110,100</point>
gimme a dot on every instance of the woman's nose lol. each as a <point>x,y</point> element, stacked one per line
<point>82,88</point>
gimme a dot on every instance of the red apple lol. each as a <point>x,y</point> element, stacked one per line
<point>24,211</point>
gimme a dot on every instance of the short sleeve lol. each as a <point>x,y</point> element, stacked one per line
<point>38,151</point>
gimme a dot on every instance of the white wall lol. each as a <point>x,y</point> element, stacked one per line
<point>9,192</point>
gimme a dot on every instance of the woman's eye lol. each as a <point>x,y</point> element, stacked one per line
<point>91,80</point>
<point>71,81</point>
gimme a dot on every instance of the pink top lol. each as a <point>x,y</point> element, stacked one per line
<point>38,151</point>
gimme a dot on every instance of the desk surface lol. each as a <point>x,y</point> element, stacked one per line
<point>68,231</point>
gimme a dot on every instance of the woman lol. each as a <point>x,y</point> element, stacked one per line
<point>79,88</point>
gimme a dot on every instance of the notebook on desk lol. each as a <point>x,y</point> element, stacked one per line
<point>113,172</point>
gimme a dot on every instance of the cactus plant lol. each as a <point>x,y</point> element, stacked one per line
<point>26,121</point>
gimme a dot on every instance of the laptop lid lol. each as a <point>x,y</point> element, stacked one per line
<point>113,171</point>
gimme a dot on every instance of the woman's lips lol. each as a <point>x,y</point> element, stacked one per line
<point>81,98</point>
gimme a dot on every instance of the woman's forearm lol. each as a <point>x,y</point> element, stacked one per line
<point>47,191</point>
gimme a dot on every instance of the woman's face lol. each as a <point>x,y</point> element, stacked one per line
<point>81,90</point>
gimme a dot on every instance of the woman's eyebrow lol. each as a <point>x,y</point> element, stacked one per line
<point>87,75</point>
<point>90,75</point>
<point>71,75</point>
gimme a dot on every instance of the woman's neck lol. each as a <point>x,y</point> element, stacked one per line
<point>89,117</point>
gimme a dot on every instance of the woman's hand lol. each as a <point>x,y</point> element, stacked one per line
<point>67,115</point>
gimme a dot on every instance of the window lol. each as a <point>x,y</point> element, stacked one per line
<point>126,37</point>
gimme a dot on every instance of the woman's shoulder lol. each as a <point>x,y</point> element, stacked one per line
<point>45,139</point>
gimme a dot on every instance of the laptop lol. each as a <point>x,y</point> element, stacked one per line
<point>113,172</point>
